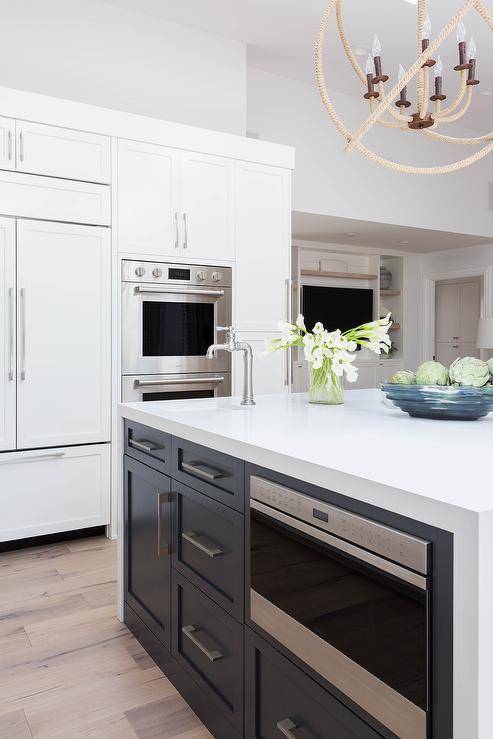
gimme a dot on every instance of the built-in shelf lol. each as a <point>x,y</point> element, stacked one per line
<point>390,293</point>
<point>343,275</point>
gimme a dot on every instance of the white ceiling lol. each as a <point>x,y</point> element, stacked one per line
<point>280,36</point>
<point>378,236</point>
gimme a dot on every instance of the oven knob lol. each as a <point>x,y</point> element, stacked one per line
<point>140,271</point>
<point>217,276</point>
<point>156,272</point>
<point>201,275</point>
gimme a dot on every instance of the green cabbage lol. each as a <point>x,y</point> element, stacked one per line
<point>469,371</point>
<point>432,373</point>
<point>404,377</point>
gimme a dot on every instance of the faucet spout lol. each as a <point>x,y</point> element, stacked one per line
<point>231,346</point>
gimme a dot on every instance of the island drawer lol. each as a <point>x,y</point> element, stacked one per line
<point>147,445</point>
<point>280,700</point>
<point>208,643</point>
<point>216,474</point>
<point>208,547</point>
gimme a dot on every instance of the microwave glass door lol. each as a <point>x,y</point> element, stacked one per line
<point>373,618</point>
<point>176,329</point>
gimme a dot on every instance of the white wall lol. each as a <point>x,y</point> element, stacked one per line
<point>97,53</point>
<point>331,182</point>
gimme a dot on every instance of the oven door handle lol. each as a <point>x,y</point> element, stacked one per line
<point>289,729</point>
<point>363,555</point>
<point>178,381</point>
<point>141,289</point>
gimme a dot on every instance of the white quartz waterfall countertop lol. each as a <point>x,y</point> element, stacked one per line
<point>446,461</point>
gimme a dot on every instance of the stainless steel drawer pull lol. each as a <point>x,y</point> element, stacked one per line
<point>11,335</point>
<point>21,146</point>
<point>179,381</point>
<point>21,458</point>
<point>142,289</point>
<point>145,446</point>
<point>202,470</point>
<point>202,543</point>
<point>162,549</point>
<point>210,652</point>
<point>291,731</point>
<point>23,333</point>
<point>10,145</point>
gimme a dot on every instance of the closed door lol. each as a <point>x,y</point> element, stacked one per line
<point>7,143</point>
<point>63,325</point>
<point>148,200</point>
<point>7,334</point>
<point>263,248</point>
<point>62,152</point>
<point>147,546</point>
<point>207,206</point>
<point>458,309</point>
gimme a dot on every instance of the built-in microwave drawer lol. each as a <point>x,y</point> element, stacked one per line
<point>281,701</point>
<point>208,643</point>
<point>208,547</point>
<point>150,446</point>
<point>216,474</point>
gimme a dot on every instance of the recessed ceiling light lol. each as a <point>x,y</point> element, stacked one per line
<point>403,242</point>
<point>350,233</point>
<point>486,92</point>
<point>360,50</point>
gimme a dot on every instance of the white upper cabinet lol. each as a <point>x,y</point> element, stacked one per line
<point>7,143</point>
<point>62,152</point>
<point>207,206</point>
<point>148,200</point>
<point>263,246</point>
<point>7,334</point>
<point>63,327</point>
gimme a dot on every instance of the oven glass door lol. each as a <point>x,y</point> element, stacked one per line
<point>377,621</point>
<point>176,329</point>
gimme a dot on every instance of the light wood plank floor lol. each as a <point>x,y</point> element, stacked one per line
<point>68,667</point>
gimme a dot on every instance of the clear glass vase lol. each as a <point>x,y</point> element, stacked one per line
<point>326,387</point>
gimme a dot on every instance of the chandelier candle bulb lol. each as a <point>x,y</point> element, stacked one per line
<point>403,102</point>
<point>461,38</point>
<point>471,79</point>
<point>425,42</point>
<point>377,58</point>
<point>438,82</point>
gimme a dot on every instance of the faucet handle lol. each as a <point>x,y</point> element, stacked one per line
<point>230,332</point>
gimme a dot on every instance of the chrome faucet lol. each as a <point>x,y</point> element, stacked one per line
<point>232,345</point>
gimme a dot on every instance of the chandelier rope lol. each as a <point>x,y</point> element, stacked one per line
<point>419,69</point>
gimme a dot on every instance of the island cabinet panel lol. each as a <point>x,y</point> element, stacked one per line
<point>280,700</point>
<point>208,644</point>
<point>148,445</point>
<point>147,546</point>
<point>216,474</point>
<point>208,547</point>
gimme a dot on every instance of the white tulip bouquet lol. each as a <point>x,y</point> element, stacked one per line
<point>331,353</point>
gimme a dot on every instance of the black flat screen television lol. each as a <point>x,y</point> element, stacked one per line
<point>336,307</point>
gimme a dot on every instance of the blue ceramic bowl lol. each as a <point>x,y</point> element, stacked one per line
<point>441,403</point>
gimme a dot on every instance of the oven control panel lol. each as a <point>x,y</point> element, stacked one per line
<point>175,274</point>
<point>397,546</point>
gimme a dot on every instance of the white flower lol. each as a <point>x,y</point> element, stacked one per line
<point>300,322</point>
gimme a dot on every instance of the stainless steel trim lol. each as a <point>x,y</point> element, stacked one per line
<point>23,332</point>
<point>382,702</point>
<point>353,551</point>
<point>202,543</point>
<point>212,654</point>
<point>177,291</point>
<point>287,727</point>
<point>23,458</point>
<point>179,381</point>
<point>21,146</point>
<point>11,334</point>
<point>162,549</point>
<point>10,144</point>
<point>130,267</point>
<point>185,232</point>
<point>177,232</point>
<point>145,446</point>
<point>403,549</point>
<point>202,470</point>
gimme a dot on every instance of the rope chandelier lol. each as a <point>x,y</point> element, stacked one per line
<point>426,118</point>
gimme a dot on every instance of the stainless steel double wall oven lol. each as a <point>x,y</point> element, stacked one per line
<point>170,316</point>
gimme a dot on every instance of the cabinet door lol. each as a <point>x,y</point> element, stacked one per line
<point>62,152</point>
<point>7,143</point>
<point>148,200</point>
<point>63,327</point>
<point>54,490</point>
<point>470,304</point>
<point>367,377</point>
<point>447,313</point>
<point>385,370</point>
<point>207,206</point>
<point>263,246</point>
<point>147,544</point>
<point>7,334</point>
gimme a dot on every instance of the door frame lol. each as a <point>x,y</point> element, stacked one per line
<point>484,274</point>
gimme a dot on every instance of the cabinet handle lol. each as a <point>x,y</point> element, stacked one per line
<point>202,543</point>
<point>162,549</point>
<point>177,232</point>
<point>185,232</point>
<point>11,335</point>
<point>291,731</point>
<point>22,458</point>
<point>455,338</point>
<point>23,333</point>
<point>212,654</point>
<point>10,145</point>
<point>202,470</point>
<point>145,446</point>
<point>21,146</point>
<point>455,346</point>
